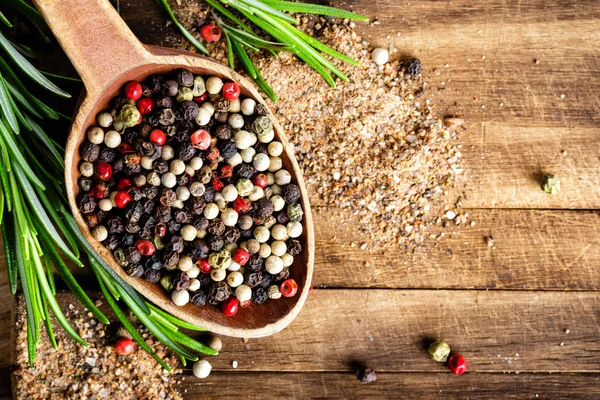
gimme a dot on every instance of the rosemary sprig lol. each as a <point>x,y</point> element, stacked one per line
<point>272,18</point>
<point>37,227</point>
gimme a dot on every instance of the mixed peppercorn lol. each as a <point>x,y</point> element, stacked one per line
<point>183,181</point>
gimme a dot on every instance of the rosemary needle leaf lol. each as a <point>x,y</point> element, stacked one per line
<point>10,252</point>
<point>62,77</point>
<point>48,324</point>
<point>317,9</point>
<point>18,156</point>
<point>5,21</point>
<point>174,320</point>
<point>255,5</point>
<point>229,52</point>
<point>324,48</point>
<point>192,344</point>
<point>220,8</point>
<point>265,87</point>
<point>29,69</point>
<point>23,101</point>
<point>245,60</point>
<point>5,105</point>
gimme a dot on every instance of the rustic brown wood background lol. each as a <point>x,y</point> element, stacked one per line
<point>505,309</point>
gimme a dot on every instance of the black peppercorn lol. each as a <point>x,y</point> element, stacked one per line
<point>107,155</point>
<point>294,247</point>
<point>181,281</point>
<point>255,262</point>
<point>170,259</point>
<point>173,226</point>
<point>166,116</point>
<point>91,220</point>
<point>195,206</point>
<point>182,217</point>
<point>134,271</point>
<point>115,225</point>
<point>218,292</point>
<point>133,211</point>
<point>127,240</point>
<point>164,102</point>
<point>246,234</point>
<point>221,105</point>
<point>227,149</point>
<point>209,194</point>
<point>89,151</point>
<point>198,298</point>
<point>244,171</point>
<point>291,193</point>
<point>261,148</point>
<point>156,83</point>
<point>282,218</point>
<point>200,249</point>
<point>223,132</point>
<point>188,110</point>
<point>170,88</point>
<point>111,242</point>
<point>261,109</point>
<point>162,214</point>
<point>221,116</point>
<point>152,275</point>
<point>150,192</point>
<point>86,204</point>
<point>261,209</point>
<point>184,78</point>
<point>259,295</point>
<point>231,235</point>
<point>185,151</point>
<point>252,278</point>
<point>167,197</point>
<point>216,227</point>
<point>200,222</point>
<point>154,262</point>
<point>132,169</point>
<point>132,255</point>
<point>215,243</point>
<point>175,244</point>
<point>283,275</point>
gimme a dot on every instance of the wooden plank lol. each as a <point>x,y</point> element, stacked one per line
<point>391,386</point>
<point>389,330</point>
<point>534,249</point>
<point>6,330</point>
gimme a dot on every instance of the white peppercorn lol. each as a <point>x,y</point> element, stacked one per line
<point>194,285</point>
<point>183,193</point>
<point>231,247</point>
<point>269,222</point>
<point>215,343</point>
<point>139,180</point>
<point>193,272</point>
<point>274,265</point>
<point>112,139</point>
<point>261,162</point>
<point>177,204</point>
<point>153,178</point>
<point>253,138</point>
<point>168,180</point>
<point>180,297</point>
<point>243,293</point>
<point>105,119</point>
<point>234,266</point>
<point>243,140</point>
<point>177,167</point>
<point>235,160</point>
<point>146,162</point>
<point>278,248</point>
<point>229,217</point>
<point>276,189</point>
<point>236,121</point>
<point>167,152</point>
<point>100,233</point>
<point>261,234</point>
<point>287,259</point>
<point>95,135</point>
<point>211,211</point>
<point>278,202</point>
<point>197,189</point>
<point>294,229</point>
<point>267,137</point>
<point>275,148</point>
<point>199,86</point>
<point>185,263</point>
<point>111,196</point>
<point>201,233</point>
<point>248,106</point>
<point>214,84</point>
<point>229,193</point>
<point>190,171</point>
<point>256,194</point>
<point>283,177</point>
<point>265,250</point>
<point>217,274</point>
<point>118,125</point>
<point>253,246</point>
<point>203,116</point>
<point>86,169</point>
<point>196,163</point>
<point>275,164</point>
<point>279,232</point>
<point>188,232</point>
<point>380,56</point>
<point>208,106</point>
<point>273,292</point>
<point>105,204</point>
<point>248,154</point>
<point>201,369</point>
<point>235,279</point>
<point>235,106</point>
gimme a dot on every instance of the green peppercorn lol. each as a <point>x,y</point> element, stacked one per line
<point>166,282</point>
<point>221,259</point>
<point>199,87</point>
<point>550,184</point>
<point>185,94</point>
<point>120,257</point>
<point>262,126</point>
<point>294,212</point>
<point>439,351</point>
<point>129,115</point>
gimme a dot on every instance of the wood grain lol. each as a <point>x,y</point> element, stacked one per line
<point>344,386</point>
<point>496,331</point>
<point>534,249</point>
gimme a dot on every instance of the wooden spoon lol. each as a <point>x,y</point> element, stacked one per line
<point>106,55</point>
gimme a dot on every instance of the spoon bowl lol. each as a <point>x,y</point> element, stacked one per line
<point>107,55</point>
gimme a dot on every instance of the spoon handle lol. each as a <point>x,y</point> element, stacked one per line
<point>95,38</point>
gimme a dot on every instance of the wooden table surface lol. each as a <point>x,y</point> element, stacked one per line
<point>506,309</point>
